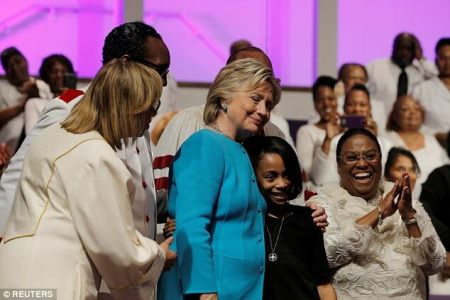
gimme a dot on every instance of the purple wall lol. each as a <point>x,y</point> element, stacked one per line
<point>199,33</point>
<point>367,29</point>
<point>74,28</point>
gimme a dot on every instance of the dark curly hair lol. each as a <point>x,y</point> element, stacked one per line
<point>441,43</point>
<point>392,156</point>
<point>49,61</point>
<point>128,38</point>
<point>7,54</point>
<point>322,81</point>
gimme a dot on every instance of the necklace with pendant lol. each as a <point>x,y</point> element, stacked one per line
<point>215,128</point>
<point>273,257</point>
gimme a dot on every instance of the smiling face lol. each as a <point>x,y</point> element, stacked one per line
<point>273,179</point>
<point>17,70</point>
<point>443,61</point>
<point>409,114</point>
<point>248,111</point>
<point>357,103</point>
<point>359,166</point>
<point>325,102</point>
<point>56,77</point>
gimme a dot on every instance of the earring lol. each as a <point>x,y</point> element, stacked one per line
<point>225,107</point>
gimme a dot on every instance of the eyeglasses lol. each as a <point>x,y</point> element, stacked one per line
<point>162,71</point>
<point>353,158</point>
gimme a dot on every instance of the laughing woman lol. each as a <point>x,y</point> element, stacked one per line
<point>379,239</point>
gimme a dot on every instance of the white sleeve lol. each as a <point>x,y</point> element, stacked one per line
<point>324,167</point>
<point>426,251</point>
<point>44,90</point>
<point>345,240</point>
<point>55,111</point>
<point>99,197</point>
<point>32,111</point>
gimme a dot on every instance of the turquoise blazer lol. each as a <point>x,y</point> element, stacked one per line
<point>219,213</point>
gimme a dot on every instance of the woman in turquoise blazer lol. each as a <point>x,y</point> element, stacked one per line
<point>214,196</point>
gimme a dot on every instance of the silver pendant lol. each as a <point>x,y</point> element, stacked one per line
<point>273,257</point>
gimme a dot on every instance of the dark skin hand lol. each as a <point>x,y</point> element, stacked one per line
<point>169,227</point>
<point>445,273</point>
<point>332,129</point>
<point>29,88</point>
<point>407,212</point>
<point>5,154</point>
<point>8,113</point>
<point>388,207</point>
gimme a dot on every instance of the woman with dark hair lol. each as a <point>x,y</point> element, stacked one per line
<point>52,72</point>
<point>380,241</point>
<point>399,162</point>
<point>296,265</point>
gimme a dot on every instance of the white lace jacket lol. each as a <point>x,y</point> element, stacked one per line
<point>380,263</point>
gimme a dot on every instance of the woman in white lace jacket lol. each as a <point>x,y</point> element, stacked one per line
<point>380,241</point>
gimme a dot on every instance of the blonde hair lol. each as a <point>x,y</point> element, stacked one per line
<point>241,74</point>
<point>117,103</point>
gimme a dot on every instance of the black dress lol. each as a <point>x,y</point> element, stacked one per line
<point>436,201</point>
<point>301,262</point>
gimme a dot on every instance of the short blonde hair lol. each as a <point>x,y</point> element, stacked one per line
<point>241,74</point>
<point>117,102</point>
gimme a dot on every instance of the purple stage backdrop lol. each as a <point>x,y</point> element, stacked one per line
<point>199,32</point>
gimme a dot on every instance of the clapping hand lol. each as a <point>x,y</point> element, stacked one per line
<point>387,205</point>
<point>404,204</point>
<point>371,125</point>
<point>333,127</point>
<point>29,88</point>
<point>445,273</point>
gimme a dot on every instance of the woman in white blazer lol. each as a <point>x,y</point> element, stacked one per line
<point>71,223</point>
